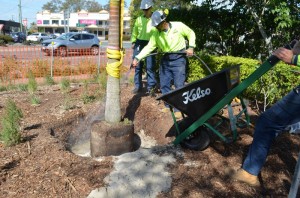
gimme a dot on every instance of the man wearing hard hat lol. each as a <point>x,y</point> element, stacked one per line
<point>139,38</point>
<point>169,37</point>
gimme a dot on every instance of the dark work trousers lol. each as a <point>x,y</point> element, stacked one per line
<point>150,64</point>
<point>269,125</point>
<point>172,69</point>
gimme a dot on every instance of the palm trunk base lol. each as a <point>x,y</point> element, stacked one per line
<point>111,138</point>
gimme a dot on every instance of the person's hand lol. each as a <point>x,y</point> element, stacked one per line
<point>132,45</point>
<point>190,52</point>
<point>285,55</point>
<point>135,62</point>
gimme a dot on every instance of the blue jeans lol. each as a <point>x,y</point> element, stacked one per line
<point>172,70</point>
<point>150,64</point>
<point>270,124</point>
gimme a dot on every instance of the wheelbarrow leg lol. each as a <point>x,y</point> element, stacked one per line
<point>296,180</point>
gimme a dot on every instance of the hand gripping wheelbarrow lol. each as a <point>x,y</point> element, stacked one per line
<point>203,99</point>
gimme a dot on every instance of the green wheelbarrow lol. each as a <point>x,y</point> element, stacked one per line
<point>203,99</point>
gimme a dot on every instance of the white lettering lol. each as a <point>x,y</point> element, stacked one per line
<point>195,94</point>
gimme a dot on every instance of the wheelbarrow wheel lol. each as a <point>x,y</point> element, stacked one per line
<point>198,140</point>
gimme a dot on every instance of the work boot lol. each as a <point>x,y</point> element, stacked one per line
<point>178,115</point>
<point>243,176</point>
<point>165,110</point>
<point>136,90</point>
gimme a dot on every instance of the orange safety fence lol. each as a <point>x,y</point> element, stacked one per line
<point>16,61</point>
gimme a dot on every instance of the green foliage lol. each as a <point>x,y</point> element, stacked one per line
<point>268,89</point>
<point>283,18</point>
<point>73,5</point>
<point>230,28</point>
<point>135,10</point>
<point>65,85</point>
<point>35,100</point>
<point>10,133</point>
<point>102,79</point>
<point>3,88</point>
<point>2,43</point>
<point>21,87</point>
<point>32,84</point>
<point>126,121</point>
<point>85,96</point>
<point>49,80</point>
<point>32,88</point>
<point>65,88</point>
<point>6,39</point>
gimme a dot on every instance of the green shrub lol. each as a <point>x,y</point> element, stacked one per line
<point>49,80</point>
<point>10,133</point>
<point>6,38</point>
<point>268,89</point>
<point>32,88</point>
<point>86,97</point>
<point>22,87</point>
<point>65,88</point>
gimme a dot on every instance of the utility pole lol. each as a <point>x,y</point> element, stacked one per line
<point>20,16</point>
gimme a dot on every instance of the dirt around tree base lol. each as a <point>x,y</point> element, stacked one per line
<point>43,165</point>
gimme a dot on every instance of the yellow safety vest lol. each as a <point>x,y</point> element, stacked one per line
<point>142,29</point>
<point>172,40</point>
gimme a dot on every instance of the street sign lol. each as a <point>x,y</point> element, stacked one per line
<point>24,21</point>
<point>80,25</point>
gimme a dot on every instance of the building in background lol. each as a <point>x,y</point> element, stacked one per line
<point>92,22</point>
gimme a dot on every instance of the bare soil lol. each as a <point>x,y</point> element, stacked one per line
<point>42,165</point>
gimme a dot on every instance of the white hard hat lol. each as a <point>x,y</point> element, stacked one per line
<point>146,4</point>
<point>158,17</point>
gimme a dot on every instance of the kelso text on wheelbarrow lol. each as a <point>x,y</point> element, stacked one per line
<point>195,94</point>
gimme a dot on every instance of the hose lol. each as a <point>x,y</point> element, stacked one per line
<point>184,53</point>
<point>125,78</point>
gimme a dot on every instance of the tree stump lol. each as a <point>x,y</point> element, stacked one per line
<point>111,138</point>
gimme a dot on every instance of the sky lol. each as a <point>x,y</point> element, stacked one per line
<point>9,9</point>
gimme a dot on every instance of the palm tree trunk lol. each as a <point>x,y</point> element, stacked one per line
<point>113,108</point>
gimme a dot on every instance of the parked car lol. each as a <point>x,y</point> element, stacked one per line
<point>72,42</point>
<point>37,37</point>
<point>18,37</point>
<point>52,36</point>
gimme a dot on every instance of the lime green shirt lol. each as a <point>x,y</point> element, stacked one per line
<point>296,60</point>
<point>172,40</point>
<point>142,29</point>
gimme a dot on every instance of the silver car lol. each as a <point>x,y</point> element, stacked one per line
<point>39,37</point>
<point>72,42</point>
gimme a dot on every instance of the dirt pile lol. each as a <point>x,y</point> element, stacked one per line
<point>43,165</point>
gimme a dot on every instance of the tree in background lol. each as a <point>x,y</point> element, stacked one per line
<point>231,28</point>
<point>266,23</point>
<point>135,11</point>
<point>73,5</point>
